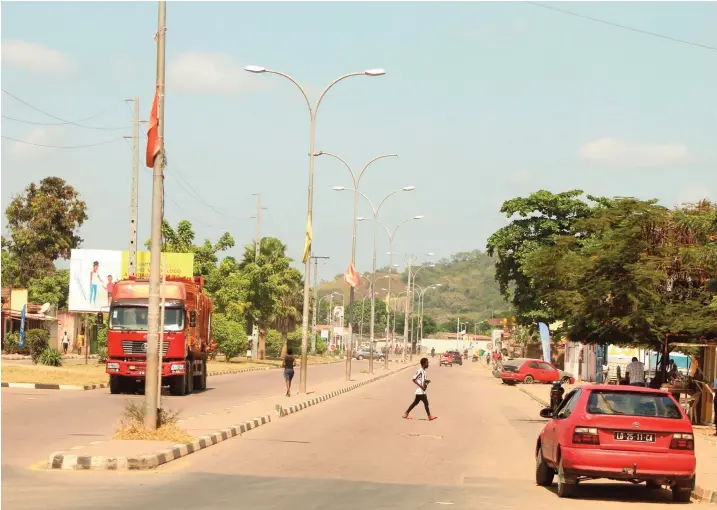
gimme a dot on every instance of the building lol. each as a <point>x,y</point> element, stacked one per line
<point>13,301</point>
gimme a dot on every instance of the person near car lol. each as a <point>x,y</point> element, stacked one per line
<point>636,372</point>
<point>289,364</point>
<point>421,381</point>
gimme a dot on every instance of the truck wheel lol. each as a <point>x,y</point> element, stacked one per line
<point>115,384</point>
<point>204,374</point>
<point>189,377</point>
<point>197,379</point>
<point>177,385</point>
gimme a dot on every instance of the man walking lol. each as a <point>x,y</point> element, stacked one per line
<point>65,342</point>
<point>421,381</point>
<point>636,373</point>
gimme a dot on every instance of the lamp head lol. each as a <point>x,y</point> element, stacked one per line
<point>255,69</point>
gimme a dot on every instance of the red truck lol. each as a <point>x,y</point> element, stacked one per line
<point>187,335</point>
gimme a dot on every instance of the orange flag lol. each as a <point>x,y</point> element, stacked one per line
<point>152,137</point>
<point>351,277</point>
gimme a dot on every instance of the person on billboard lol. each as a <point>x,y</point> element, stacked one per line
<point>95,281</point>
<point>109,287</point>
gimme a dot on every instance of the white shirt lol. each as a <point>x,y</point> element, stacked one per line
<point>65,339</point>
<point>420,378</point>
<point>96,278</point>
<point>636,372</point>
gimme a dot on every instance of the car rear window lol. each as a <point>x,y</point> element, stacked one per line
<point>615,403</point>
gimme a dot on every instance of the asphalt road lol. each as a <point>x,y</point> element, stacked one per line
<point>36,423</point>
<point>352,452</point>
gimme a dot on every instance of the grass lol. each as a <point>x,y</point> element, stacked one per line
<point>94,373</point>
<point>131,427</point>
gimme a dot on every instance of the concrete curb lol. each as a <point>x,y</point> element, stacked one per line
<point>698,493</point>
<point>59,460</point>
<point>282,411</point>
<point>39,386</point>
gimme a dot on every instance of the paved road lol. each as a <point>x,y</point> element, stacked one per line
<point>352,452</point>
<point>37,422</point>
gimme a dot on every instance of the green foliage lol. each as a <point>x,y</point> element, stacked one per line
<point>37,341</point>
<point>320,345</point>
<point>233,347</point>
<point>52,288</point>
<point>102,355</point>
<point>274,343</point>
<point>12,345</point>
<point>51,357</point>
<point>230,336</point>
<point>43,224</point>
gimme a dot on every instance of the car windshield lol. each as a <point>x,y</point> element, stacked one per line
<point>135,318</point>
<point>633,404</point>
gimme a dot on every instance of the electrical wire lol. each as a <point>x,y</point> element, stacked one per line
<point>64,124</point>
<point>62,121</point>
<point>624,27</point>
<point>62,146</point>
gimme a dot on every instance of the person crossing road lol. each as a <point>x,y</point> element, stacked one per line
<point>421,381</point>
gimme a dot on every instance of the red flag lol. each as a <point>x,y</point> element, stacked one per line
<point>351,277</point>
<point>152,138</point>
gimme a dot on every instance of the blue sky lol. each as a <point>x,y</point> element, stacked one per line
<point>481,101</point>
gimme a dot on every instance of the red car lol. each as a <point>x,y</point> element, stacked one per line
<point>623,433</point>
<point>446,359</point>
<point>532,370</point>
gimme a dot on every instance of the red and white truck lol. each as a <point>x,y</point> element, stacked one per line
<point>187,335</point>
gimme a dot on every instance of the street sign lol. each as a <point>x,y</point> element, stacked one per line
<point>21,343</point>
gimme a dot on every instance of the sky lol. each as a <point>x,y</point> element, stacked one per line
<point>481,101</point>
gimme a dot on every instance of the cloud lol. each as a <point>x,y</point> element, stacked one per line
<point>693,194</point>
<point>197,72</point>
<point>36,136</point>
<point>35,57</point>
<point>626,154</point>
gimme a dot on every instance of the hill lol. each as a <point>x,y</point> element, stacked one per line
<point>468,289</point>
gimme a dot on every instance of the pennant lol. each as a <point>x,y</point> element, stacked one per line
<point>351,277</point>
<point>388,303</point>
<point>307,242</point>
<point>152,134</point>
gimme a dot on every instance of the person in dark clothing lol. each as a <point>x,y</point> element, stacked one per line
<point>289,364</point>
<point>421,381</point>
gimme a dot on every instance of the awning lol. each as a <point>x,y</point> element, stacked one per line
<point>33,316</point>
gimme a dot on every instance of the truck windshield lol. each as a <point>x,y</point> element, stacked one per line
<point>134,318</point>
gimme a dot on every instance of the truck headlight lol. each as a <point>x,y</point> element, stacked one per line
<point>113,366</point>
<point>177,367</point>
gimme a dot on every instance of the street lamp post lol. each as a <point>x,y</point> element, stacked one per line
<point>376,210</point>
<point>412,276</point>
<point>313,109</point>
<point>420,309</point>
<point>356,181</point>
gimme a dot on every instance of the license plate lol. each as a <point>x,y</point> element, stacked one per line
<point>636,437</point>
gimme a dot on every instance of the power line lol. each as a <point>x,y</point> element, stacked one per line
<point>624,27</point>
<point>62,146</point>
<point>64,124</point>
<point>63,121</point>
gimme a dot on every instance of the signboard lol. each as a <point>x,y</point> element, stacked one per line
<point>21,343</point>
<point>545,340</point>
<point>325,334</point>
<point>90,273</point>
<point>180,265</point>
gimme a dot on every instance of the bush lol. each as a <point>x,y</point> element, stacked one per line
<point>37,340</point>
<point>51,357</point>
<point>232,348</point>
<point>230,336</point>
<point>294,341</point>
<point>320,346</point>
<point>102,338</point>
<point>273,343</point>
<point>102,354</point>
<point>12,345</point>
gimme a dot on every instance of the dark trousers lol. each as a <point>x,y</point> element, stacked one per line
<point>420,398</point>
<point>64,347</point>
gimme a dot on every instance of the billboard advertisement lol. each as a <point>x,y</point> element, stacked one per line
<point>92,275</point>
<point>94,272</point>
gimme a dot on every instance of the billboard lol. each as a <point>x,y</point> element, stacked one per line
<point>92,273</point>
<point>180,265</point>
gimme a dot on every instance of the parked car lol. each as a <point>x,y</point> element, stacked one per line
<point>457,357</point>
<point>529,371</point>
<point>446,360</point>
<point>622,433</point>
<point>364,353</point>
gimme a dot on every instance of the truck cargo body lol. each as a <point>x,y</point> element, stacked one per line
<point>187,338</point>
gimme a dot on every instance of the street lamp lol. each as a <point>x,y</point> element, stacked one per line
<point>313,109</point>
<point>376,210</point>
<point>356,181</point>
<point>409,302</point>
<point>420,309</point>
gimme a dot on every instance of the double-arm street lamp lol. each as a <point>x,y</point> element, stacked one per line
<point>313,109</point>
<point>356,178</point>
<point>420,309</point>
<point>376,210</point>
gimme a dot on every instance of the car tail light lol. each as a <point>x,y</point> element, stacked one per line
<point>586,435</point>
<point>682,442</point>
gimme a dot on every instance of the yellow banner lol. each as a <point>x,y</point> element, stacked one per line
<point>179,265</point>
<point>307,242</point>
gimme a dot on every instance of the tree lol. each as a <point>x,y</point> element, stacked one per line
<point>524,336</point>
<point>230,336</point>
<point>44,224</point>
<point>541,218</point>
<point>289,304</point>
<point>51,289</point>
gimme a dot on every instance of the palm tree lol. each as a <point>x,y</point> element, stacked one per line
<point>289,302</point>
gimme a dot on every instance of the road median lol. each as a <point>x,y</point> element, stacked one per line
<point>208,429</point>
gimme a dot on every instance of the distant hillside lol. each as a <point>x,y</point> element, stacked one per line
<point>468,289</point>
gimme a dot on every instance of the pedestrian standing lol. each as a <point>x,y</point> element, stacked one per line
<point>636,373</point>
<point>65,342</point>
<point>289,364</point>
<point>421,381</point>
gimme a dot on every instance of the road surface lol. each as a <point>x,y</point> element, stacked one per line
<point>352,452</point>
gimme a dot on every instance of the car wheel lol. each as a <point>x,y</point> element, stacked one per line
<point>544,474</point>
<point>681,494</point>
<point>528,379</point>
<point>566,488</point>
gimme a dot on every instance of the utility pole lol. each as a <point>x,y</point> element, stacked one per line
<point>407,310</point>
<point>257,250</point>
<point>316,301</point>
<point>151,402</point>
<point>134,197</point>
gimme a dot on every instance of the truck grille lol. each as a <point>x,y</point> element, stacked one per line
<point>137,347</point>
